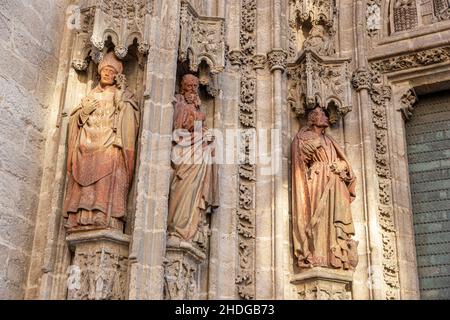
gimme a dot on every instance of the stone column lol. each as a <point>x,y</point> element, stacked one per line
<point>264,191</point>
<point>277,64</point>
<point>370,181</point>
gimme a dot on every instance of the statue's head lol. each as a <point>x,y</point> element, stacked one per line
<point>189,84</point>
<point>108,68</point>
<point>317,117</point>
<point>318,31</point>
<point>189,89</point>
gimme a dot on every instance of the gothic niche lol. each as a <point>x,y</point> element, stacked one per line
<point>101,152</point>
<point>193,193</point>
<point>109,56</point>
<point>194,187</point>
<point>312,26</point>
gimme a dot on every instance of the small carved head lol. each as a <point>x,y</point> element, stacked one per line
<point>317,117</point>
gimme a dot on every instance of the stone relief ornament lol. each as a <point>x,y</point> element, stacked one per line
<point>202,43</point>
<point>248,61</point>
<point>101,152</point>
<point>98,273</point>
<point>180,281</point>
<point>323,186</point>
<point>408,101</point>
<point>361,79</point>
<point>418,59</point>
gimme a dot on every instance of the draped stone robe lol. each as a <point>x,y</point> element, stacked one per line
<point>321,197</point>
<point>194,185</point>
<point>100,161</point>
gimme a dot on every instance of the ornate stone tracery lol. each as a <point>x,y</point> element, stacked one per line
<point>404,15</point>
<point>442,9</point>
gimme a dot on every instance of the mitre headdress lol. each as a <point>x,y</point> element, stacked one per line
<point>110,60</point>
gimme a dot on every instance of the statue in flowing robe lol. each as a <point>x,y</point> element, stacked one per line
<point>194,186</point>
<point>323,186</point>
<point>101,152</point>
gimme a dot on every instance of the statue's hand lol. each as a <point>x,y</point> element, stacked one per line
<point>343,166</point>
<point>340,168</point>
<point>89,105</point>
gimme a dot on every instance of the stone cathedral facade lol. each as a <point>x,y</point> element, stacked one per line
<point>324,142</point>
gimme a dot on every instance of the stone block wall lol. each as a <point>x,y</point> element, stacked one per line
<point>30,33</point>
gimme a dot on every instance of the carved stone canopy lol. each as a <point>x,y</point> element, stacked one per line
<point>121,21</point>
<point>320,81</point>
<point>202,45</point>
<point>201,39</point>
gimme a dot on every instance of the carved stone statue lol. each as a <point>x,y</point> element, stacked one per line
<point>101,152</point>
<point>323,186</point>
<point>320,40</point>
<point>194,185</point>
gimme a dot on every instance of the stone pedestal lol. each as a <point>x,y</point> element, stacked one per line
<point>99,265</point>
<point>323,284</point>
<point>181,269</point>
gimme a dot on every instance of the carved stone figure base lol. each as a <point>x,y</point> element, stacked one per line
<point>99,265</point>
<point>180,269</point>
<point>323,284</point>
